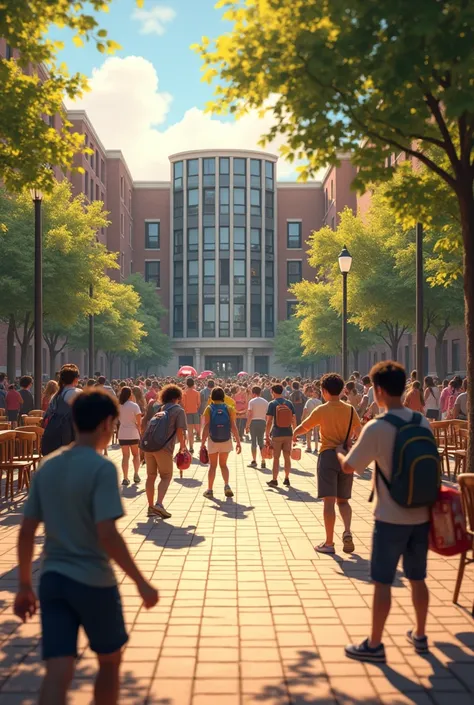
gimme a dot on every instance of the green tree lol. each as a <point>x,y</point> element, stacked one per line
<point>289,349</point>
<point>72,261</point>
<point>29,145</point>
<point>154,349</point>
<point>370,77</point>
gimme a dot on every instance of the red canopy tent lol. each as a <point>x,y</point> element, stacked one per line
<point>187,371</point>
<point>206,374</point>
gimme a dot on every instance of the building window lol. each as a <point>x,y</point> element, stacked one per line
<point>178,321</point>
<point>224,272</point>
<point>239,239</point>
<point>294,272</point>
<point>92,157</point>
<point>8,53</point>
<point>290,308</point>
<point>178,201</point>
<point>224,323</point>
<point>293,231</point>
<point>130,200</point>
<point>224,242</point>
<point>269,242</point>
<point>209,172</point>
<point>86,184</point>
<point>239,201</point>
<point>255,320</point>
<point>224,200</point>
<point>269,176</point>
<point>239,172</point>
<point>130,234</point>
<point>97,194</point>
<point>193,240</point>
<point>332,191</point>
<point>224,165</point>
<point>193,317</point>
<point>92,189</point>
<point>209,272</point>
<point>178,175</point>
<point>178,242</point>
<point>122,264</point>
<point>333,223</point>
<point>239,272</point>
<point>122,185</point>
<point>193,272</point>
<point>193,201</point>
<point>255,240</point>
<point>102,171</point>
<point>131,267</point>
<point>122,224</point>
<point>209,320</point>
<point>256,173</point>
<point>255,202</point>
<point>152,273</point>
<point>209,200</point>
<point>455,362</point>
<point>193,173</point>
<point>255,272</point>
<point>239,320</point>
<point>152,236</point>
<point>269,205</point>
<point>209,239</point>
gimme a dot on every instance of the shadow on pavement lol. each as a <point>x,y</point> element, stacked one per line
<point>231,509</point>
<point>164,534</point>
<point>187,482</point>
<point>354,566</point>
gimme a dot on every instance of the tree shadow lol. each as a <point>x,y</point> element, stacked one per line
<point>164,534</point>
<point>354,566</point>
<point>231,509</point>
<point>187,481</point>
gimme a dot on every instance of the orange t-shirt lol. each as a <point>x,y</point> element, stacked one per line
<point>191,401</point>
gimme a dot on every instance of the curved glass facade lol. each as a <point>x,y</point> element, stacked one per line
<point>223,229</point>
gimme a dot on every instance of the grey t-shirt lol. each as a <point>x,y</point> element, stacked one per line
<point>72,491</point>
<point>177,420</point>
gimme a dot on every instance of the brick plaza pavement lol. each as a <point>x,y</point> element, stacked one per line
<point>249,614</point>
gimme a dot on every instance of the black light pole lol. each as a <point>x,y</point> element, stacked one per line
<point>420,342</point>
<point>91,338</point>
<point>37,198</point>
<point>345,263</point>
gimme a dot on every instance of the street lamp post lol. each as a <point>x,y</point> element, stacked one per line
<point>345,264</point>
<point>37,198</point>
<point>91,338</point>
<point>420,342</point>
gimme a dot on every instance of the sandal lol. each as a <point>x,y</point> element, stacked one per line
<point>348,542</point>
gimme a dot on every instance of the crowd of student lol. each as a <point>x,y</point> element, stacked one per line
<point>75,492</point>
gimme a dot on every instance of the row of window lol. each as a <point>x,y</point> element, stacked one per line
<point>95,160</point>
<point>92,189</point>
<point>209,325</point>
<point>209,172</point>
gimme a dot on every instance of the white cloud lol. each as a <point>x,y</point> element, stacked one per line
<point>154,20</point>
<point>127,108</point>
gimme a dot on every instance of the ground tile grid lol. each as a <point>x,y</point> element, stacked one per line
<point>248,612</point>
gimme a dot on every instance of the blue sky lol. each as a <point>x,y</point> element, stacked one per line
<point>148,100</point>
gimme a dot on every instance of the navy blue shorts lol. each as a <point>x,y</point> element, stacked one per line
<point>67,605</point>
<point>393,541</point>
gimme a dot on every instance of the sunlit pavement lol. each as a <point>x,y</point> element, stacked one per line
<point>248,612</point>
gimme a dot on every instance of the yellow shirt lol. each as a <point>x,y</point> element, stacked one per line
<point>333,419</point>
<point>232,412</point>
<point>227,400</point>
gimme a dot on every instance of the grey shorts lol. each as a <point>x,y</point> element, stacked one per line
<point>332,482</point>
<point>193,419</point>
<point>257,430</point>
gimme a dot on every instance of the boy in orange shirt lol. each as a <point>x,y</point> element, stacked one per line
<point>191,403</point>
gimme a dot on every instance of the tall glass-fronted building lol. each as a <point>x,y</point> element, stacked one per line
<point>222,259</point>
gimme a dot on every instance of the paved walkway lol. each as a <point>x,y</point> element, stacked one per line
<point>249,614</point>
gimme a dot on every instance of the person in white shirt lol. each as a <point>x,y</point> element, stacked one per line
<point>130,418</point>
<point>314,400</point>
<point>256,422</point>
<point>399,531</point>
<point>432,396</point>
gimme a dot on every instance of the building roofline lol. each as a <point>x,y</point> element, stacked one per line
<point>161,185</point>
<point>118,154</point>
<point>223,152</point>
<point>343,156</point>
<point>299,184</point>
<point>82,115</point>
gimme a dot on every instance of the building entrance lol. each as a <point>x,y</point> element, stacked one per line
<point>224,366</point>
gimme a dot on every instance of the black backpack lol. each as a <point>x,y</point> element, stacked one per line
<point>57,424</point>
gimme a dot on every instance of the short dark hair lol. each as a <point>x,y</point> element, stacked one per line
<point>67,374</point>
<point>356,374</point>
<point>25,381</point>
<point>296,386</point>
<point>389,376</point>
<point>90,383</point>
<point>217,394</point>
<point>101,380</point>
<point>277,389</point>
<point>125,394</point>
<point>332,383</point>
<point>91,407</point>
<point>211,384</point>
<point>170,393</point>
<point>256,390</point>
<point>366,380</point>
<point>190,382</point>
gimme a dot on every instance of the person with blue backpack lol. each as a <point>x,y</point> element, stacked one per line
<point>219,427</point>
<point>407,479</point>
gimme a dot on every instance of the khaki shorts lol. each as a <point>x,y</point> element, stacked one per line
<point>160,462</point>
<point>282,443</point>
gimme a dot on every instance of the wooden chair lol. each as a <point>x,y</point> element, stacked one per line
<point>460,452</point>
<point>3,419</point>
<point>466,484</point>
<point>36,412</point>
<point>9,464</point>
<point>442,433</point>
<point>24,454</point>
<point>5,426</point>
<point>30,420</point>
<point>38,431</point>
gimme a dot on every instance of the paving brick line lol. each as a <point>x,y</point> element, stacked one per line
<point>280,642</point>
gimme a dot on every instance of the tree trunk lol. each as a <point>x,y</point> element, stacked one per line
<point>52,360</point>
<point>466,206</point>
<point>355,353</point>
<point>441,370</point>
<point>11,357</point>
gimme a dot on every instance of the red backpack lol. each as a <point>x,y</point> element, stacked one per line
<point>448,535</point>
<point>283,414</point>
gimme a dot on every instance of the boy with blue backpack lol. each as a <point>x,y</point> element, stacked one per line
<point>407,479</point>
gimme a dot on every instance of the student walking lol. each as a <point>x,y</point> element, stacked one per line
<point>13,403</point>
<point>75,494</point>
<point>338,423</point>
<point>313,400</point>
<point>431,397</point>
<point>172,420</point>
<point>219,426</point>
<point>191,404</point>
<point>414,399</point>
<point>130,417</point>
<point>281,421</point>
<point>400,530</point>
<point>256,423</point>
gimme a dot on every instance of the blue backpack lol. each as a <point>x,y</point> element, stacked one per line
<point>159,430</point>
<point>219,426</point>
<point>416,473</point>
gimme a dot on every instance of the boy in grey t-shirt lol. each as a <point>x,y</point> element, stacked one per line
<point>75,494</point>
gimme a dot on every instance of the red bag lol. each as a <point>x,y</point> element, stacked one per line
<point>183,460</point>
<point>267,452</point>
<point>448,535</point>
<point>296,453</point>
<point>283,414</point>
<point>204,456</point>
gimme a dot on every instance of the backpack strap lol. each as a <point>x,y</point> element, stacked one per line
<point>350,427</point>
<point>378,473</point>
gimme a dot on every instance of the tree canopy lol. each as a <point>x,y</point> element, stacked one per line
<point>289,350</point>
